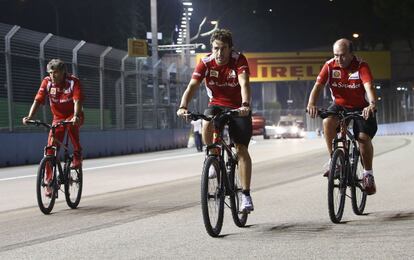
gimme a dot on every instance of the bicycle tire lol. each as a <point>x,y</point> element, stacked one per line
<point>239,218</point>
<point>337,186</point>
<point>212,197</point>
<point>45,203</point>
<point>73,186</point>
<point>358,194</point>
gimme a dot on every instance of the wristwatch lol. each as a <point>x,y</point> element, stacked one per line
<point>245,104</point>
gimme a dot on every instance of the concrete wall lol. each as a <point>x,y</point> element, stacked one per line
<point>25,148</point>
<point>403,128</point>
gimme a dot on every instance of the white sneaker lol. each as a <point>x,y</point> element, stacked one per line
<point>326,167</point>
<point>212,173</point>
<point>246,204</point>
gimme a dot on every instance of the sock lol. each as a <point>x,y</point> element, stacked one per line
<point>246,192</point>
<point>366,172</point>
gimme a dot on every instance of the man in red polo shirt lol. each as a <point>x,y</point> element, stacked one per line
<point>65,98</point>
<point>226,75</point>
<point>350,81</point>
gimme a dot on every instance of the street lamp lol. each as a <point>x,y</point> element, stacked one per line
<point>355,35</point>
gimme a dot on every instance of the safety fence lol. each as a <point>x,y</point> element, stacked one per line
<point>121,92</point>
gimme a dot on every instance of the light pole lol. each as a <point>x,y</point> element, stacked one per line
<point>56,15</point>
<point>154,50</point>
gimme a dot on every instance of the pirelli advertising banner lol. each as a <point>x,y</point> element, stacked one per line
<point>293,66</point>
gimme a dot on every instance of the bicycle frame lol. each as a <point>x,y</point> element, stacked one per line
<point>55,148</point>
<point>343,140</point>
<point>221,148</point>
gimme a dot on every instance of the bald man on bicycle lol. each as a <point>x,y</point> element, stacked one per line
<point>351,85</point>
<point>226,75</point>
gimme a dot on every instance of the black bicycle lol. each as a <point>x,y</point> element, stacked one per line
<point>221,160</point>
<point>344,168</point>
<point>47,187</point>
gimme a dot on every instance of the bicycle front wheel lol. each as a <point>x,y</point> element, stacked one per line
<point>239,217</point>
<point>337,186</point>
<point>73,186</point>
<point>45,185</point>
<point>212,196</point>
<point>358,195</point>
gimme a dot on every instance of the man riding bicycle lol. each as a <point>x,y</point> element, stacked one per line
<point>65,97</point>
<point>350,81</point>
<point>226,74</point>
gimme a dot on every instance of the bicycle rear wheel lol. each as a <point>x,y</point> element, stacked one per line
<point>73,186</point>
<point>239,218</point>
<point>212,196</point>
<point>337,186</point>
<point>45,187</point>
<point>358,195</point>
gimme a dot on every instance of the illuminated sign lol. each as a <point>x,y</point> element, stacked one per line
<point>293,66</point>
<point>137,48</point>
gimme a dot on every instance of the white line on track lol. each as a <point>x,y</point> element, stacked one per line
<point>113,165</point>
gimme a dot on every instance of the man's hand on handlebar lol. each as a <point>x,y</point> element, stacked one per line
<point>244,111</point>
<point>369,110</point>
<point>25,119</point>
<point>75,120</point>
<point>312,111</point>
<point>182,111</point>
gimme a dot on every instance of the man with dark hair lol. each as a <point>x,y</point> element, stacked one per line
<point>65,98</point>
<point>226,75</point>
<point>350,81</point>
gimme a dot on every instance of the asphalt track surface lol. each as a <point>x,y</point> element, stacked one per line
<point>148,206</point>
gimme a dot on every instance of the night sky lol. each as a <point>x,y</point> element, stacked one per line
<point>257,25</point>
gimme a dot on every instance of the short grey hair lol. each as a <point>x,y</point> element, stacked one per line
<point>56,64</point>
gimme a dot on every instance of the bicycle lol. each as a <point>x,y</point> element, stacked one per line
<point>343,170</point>
<point>47,190</point>
<point>222,157</point>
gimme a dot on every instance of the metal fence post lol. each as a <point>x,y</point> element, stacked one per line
<point>155,82</point>
<point>101,84</point>
<point>43,65</point>
<point>123,91</point>
<point>75,57</point>
<point>7,40</point>
<point>139,93</point>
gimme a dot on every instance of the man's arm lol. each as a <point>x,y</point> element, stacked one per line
<point>32,111</point>
<point>313,99</point>
<point>77,111</point>
<point>372,97</point>
<point>187,95</point>
<point>244,82</point>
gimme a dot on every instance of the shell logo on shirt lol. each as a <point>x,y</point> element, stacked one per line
<point>214,73</point>
<point>336,74</point>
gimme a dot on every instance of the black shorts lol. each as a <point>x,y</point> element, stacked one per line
<point>240,128</point>
<point>361,125</point>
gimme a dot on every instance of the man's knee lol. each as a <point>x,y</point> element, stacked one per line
<point>330,123</point>
<point>364,139</point>
<point>242,150</point>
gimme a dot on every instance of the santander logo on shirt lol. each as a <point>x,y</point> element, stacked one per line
<point>345,85</point>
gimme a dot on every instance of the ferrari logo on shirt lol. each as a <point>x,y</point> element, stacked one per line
<point>354,75</point>
<point>336,74</point>
<point>53,91</point>
<point>214,73</point>
<point>232,74</point>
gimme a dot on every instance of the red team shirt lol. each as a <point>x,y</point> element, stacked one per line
<point>222,81</point>
<point>61,96</point>
<point>346,84</point>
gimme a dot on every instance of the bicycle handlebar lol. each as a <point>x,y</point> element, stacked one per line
<point>196,116</point>
<point>40,123</point>
<point>324,113</point>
